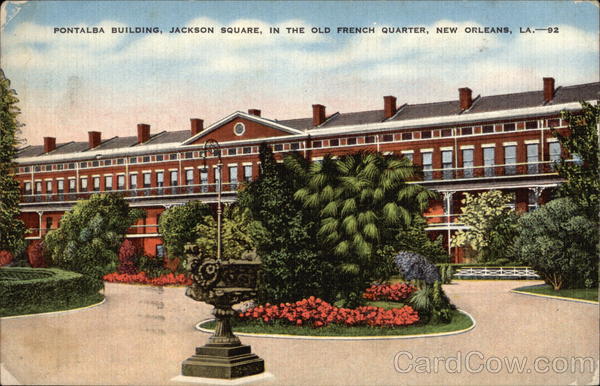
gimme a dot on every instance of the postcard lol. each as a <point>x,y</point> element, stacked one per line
<point>386,190</point>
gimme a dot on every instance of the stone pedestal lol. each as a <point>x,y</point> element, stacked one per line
<point>218,361</point>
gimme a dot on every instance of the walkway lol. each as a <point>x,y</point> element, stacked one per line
<point>141,334</point>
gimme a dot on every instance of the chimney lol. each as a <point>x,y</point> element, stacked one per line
<point>94,139</point>
<point>254,112</point>
<point>318,114</point>
<point>197,125</point>
<point>143,132</point>
<point>49,144</point>
<point>389,106</point>
<point>465,96</point>
<point>548,89</point>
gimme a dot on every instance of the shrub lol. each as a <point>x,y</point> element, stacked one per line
<point>31,290</point>
<point>127,258</point>
<point>413,266</point>
<point>394,292</point>
<point>318,313</point>
<point>152,266</point>
<point>5,257</point>
<point>432,304</point>
<point>36,255</point>
<point>178,226</point>
<point>446,273</point>
<point>561,243</point>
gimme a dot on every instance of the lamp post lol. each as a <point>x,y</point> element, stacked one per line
<point>222,282</point>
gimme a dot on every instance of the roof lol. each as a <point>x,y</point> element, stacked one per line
<point>484,104</point>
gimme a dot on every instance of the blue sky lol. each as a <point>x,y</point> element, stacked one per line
<point>69,84</point>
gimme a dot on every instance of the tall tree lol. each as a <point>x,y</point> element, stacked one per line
<point>582,179</point>
<point>362,200</point>
<point>12,229</point>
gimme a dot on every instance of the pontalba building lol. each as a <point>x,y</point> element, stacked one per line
<point>473,143</point>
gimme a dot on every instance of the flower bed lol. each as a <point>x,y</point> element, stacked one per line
<point>395,292</point>
<point>141,278</point>
<point>319,313</point>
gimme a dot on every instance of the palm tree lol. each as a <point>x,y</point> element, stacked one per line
<point>362,200</point>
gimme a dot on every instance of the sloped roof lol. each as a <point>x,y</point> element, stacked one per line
<point>577,93</point>
<point>356,118</point>
<point>426,110</point>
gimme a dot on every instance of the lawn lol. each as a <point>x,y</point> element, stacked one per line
<point>576,293</point>
<point>459,322</point>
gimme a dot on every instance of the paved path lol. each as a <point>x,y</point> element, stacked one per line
<point>141,334</point>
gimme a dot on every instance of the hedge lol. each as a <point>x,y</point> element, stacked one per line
<point>32,290</point>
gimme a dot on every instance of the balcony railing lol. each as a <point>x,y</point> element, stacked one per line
<point>489,171</point>
<point>138,193</point>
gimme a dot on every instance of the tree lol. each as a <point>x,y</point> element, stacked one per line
<point>178,226</point>
<point>12,229</point>
<point>582,179</point>
<point>413,238</point>
<point>127,258</point>
<point>90,235</point>
<point>561,243</point>
<point>491,225</point>
<point>285,234</point>
<point>362,201</point>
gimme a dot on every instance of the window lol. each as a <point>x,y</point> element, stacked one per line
<point>48,168</point>
<point>160,179</point>
<point>408,156</point>
<point>108,183</point>
<point>489,159</point>
<point>147,180</point>
<point>554,150</point>
<point>427,165</point>
<point>48,187</point>
<point>159,157</point>
<point>174,179</point>
<point>107,162</point>
<point>189,177</point>
<point>133,181</point>
<point>38,187</point>
<point>204,181</point>
<point>37,168</point>
<point>447,164</point>
<point>510,158</point>
<point>425,134</point>
<point>446,132</point>
<point>247,172</point>
<point>120,161</point>
<point>132,160</point>
<point>248,150</point>
<point>26,168</point>
<point>406,136</point>
<point>532,158</point>
<point>466,131</point>
<point>83,184</point>
<point>27,187</point>
<point>317,144</point>
<point>530,125</point>
<point>388,137</point>
<point>553,122</point>
<point>231,151</point>
<point>509,127</point>
<point>189,154</point>
<point>334,142</point>
<point>173,156</point>
<point>488,129</point>
<point>96,182</point>
<point>160,251</point>
<point>467,155</point>
<point>146,158</point>
<point>239,129</point>
<point>59,166</point>
<point>351,141</point>
<point>72,187</point>
<point>121,182</point>
<point>60,186</point>
<point>370,139</point>
<point>233,177</point>
<point>49,222</point>
<point>296,145</point>
<point>278,147</point>
<point>95,163</point>
<point>532,202</point>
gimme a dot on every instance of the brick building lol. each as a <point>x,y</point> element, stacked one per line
<point>473,143</point>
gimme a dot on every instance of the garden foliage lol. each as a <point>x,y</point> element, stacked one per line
<point>127,258</point>
<point>492,225</point>
<point>413,266</point>
<point>178,226</point>
<point>90,235</point>
<point>561,243</point>
<point>12,229</point>
<point>389,292</point>
<point>37,255</point>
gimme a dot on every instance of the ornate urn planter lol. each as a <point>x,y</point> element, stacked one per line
<point>222,283</point>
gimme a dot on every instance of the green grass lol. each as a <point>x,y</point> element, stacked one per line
<point>59,305</point>
<point>575,293</point>
<point>459,321</point>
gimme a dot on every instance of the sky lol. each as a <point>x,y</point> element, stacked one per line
<point>69,84</point>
